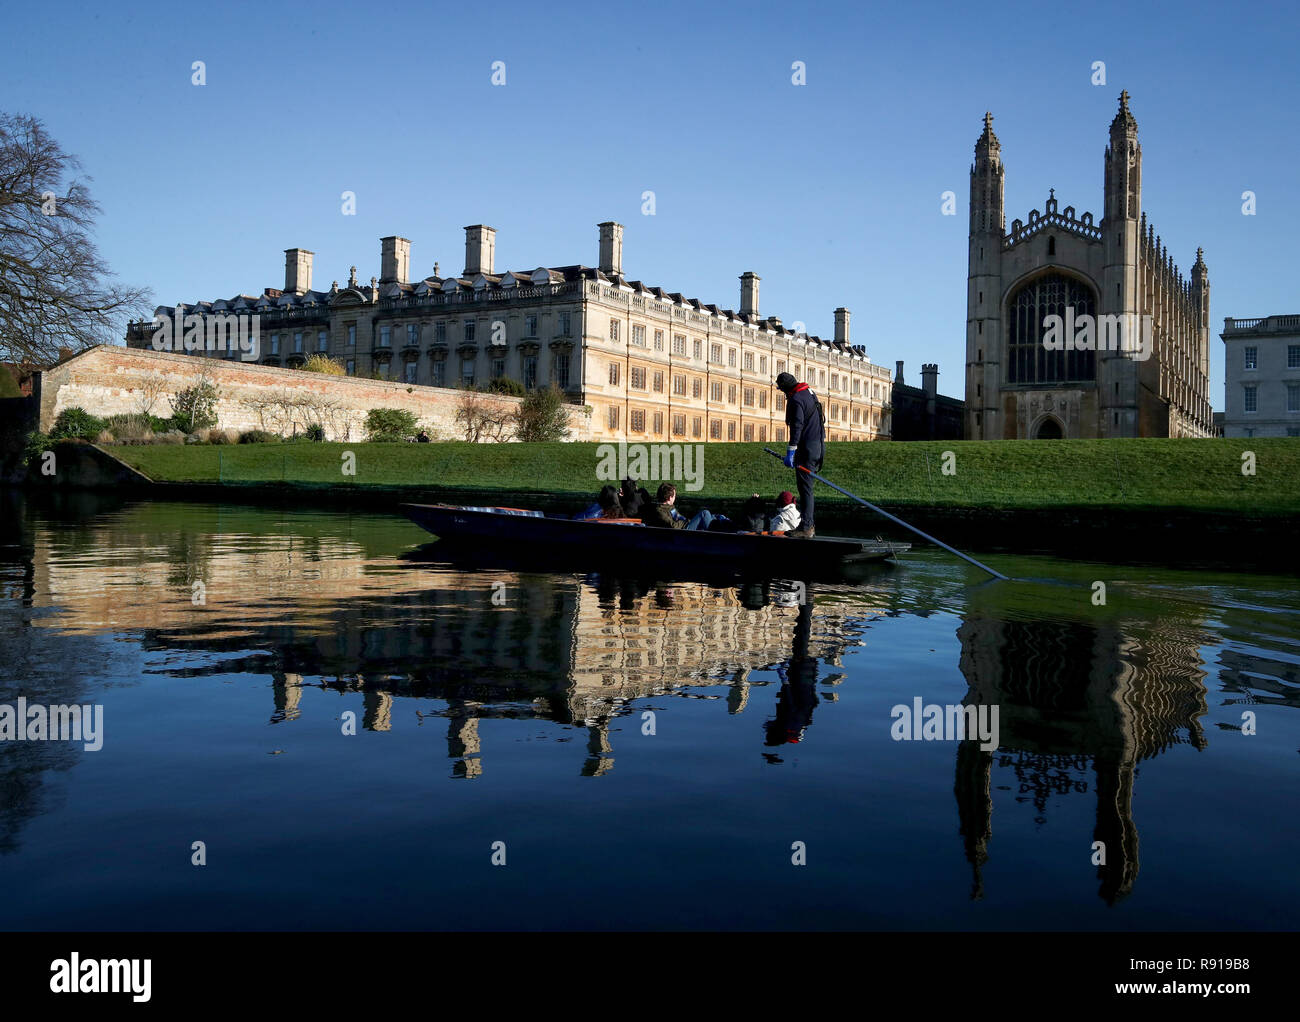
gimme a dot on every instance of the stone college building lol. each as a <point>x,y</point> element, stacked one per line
<point>1115,273</point>
<point>651,364</point>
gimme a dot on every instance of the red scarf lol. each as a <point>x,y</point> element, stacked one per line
<point>798,387</point>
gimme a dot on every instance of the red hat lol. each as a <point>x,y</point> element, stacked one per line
<point>784,497</point>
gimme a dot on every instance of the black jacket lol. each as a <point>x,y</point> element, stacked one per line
<point>803,417</point>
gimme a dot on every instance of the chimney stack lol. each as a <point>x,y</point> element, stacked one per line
<point>749,293</point>
<point>930,380</point>
<point>842,325</point>
<point>297,270</point>
<point>898,373</point>
<point>611,247</point>
<point>480,249</point>
<point>394,260</point>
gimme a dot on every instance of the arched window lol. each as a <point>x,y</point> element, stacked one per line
<point>1027,360</point>
<point>1051,245</point>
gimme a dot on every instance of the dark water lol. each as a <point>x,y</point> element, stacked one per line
<point>493,706</point>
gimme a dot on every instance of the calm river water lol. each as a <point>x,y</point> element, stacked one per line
<point>642,753</point>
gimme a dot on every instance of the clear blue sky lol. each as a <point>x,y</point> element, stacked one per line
<point>829,191</point>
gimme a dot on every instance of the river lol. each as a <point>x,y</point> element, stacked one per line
<point>303,726</point>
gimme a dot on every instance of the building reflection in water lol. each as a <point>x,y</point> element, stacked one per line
<point>1081,702</point>
<point>1071,693</point>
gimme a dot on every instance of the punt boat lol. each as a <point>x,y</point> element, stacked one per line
<point>628,541</point>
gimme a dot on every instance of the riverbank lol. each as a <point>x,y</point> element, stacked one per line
<point>1139,501</point>
<point>1129,474</point>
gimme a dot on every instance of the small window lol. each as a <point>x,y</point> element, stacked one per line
<point>699,348</point>
<point>323,340</point>
<point>613,417</point>
<point>385,336</point>
<point>351,367</point>
<point>638,334</point>
<point>613,329</point>
<point>410,371</point>
<point>297,340</point>
<point>679,344</point>
<point>659,340</point>
<point>561,371</point>
<point>1250,398</point>
<point>1293,356</point>
<point>1293,397</point>
<point>1252,357</point>
<point>613,374</point>
<point>412,333</point>
<point>636,420</point>
<point>440,333</point>
<point>731,357</point>
<point>530,371</point>
<point>637,378</point>
<point>658,380</point>
<point>658,423</point>
<point>530,326</point>
<point>697,387</point>
<point>731,431</point>
<point>469,329</point>
<point>352,333</point>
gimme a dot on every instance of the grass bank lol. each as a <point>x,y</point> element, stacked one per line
<point>1011,474</point>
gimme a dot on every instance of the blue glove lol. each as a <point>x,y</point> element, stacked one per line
<point>789,458</point>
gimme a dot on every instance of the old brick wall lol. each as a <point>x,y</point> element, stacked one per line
<point>110,380</point>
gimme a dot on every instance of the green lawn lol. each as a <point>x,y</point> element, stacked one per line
<point>1204,474</point>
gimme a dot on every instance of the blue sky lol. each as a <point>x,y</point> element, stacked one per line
<point>829,191</point>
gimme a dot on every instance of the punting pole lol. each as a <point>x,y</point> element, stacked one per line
<point>892,518</point>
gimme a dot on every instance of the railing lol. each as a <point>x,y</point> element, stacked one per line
<point>1262,325</point>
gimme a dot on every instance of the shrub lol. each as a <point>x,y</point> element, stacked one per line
<point>223,436</point>
<point>105,437</point>
<point>76,424</point>
<point>385,425</point>
<point>37,444</point>
<point>318,363</point>
<point>505,385</point>
<point>542,416</point>
<point>171,436</point>
<point>130,427</point>
<point>314,432</point>
<point>258,436</point>
<point>8,385</point>
<point>195,407</point>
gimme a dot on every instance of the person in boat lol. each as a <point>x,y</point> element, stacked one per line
<point>807,431</point>
<point>662,514</point>
<point>606,506</point>
<point>633,498</point>
<point>753,515</point>
<point>786,518</point>
<point>610,504</point>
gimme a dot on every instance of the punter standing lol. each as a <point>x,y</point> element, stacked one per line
<point>807,430</point>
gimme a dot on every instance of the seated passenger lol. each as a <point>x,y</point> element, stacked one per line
<point>786,518</point>
<point>610,506</point>
<point>753,516</point>
<point>663,515</point>
<point>607,500</point>
<point>633,498</point>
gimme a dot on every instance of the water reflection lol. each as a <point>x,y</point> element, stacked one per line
<point>1072,694</point>
<point>325,602</point>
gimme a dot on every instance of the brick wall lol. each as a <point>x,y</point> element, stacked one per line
<point>110,380</point>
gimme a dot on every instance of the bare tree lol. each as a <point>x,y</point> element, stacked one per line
<point>484,417</point>
<point>55,291</point>
<point>150,390</point>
